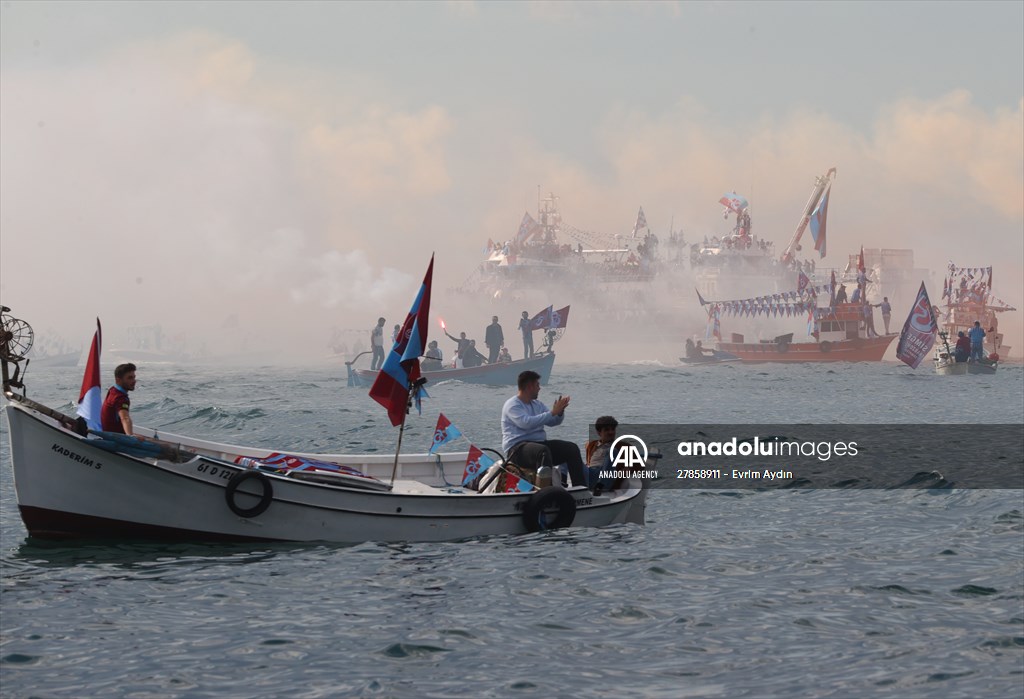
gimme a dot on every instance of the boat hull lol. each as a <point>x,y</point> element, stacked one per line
<point>944,368</point>
<point>502,374</point>
<point>69,488</point>
<point>716,357</point>
<point>852,350</point>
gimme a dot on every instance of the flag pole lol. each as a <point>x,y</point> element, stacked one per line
<point>414,386</point>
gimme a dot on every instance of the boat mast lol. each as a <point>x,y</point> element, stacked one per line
<point>821,184</point>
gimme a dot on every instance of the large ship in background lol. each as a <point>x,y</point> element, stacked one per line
<point>634,281</point>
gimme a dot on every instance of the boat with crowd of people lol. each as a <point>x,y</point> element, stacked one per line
<point>969,303</point>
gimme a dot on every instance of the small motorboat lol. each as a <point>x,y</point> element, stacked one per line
<point>711,356</point>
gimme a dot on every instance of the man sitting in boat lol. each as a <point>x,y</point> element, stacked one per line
<point>691,349</point>
<point>114,415</point>
<point>523,419</point>
<point>963,347</point>
<point>841,294</point>
<point>432,358</point>
<point>504,357</point>
<point>471,357</point>
<point>599,453</point>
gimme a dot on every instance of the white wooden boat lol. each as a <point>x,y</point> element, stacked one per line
<point>69,486</point>
<point>946,364</point>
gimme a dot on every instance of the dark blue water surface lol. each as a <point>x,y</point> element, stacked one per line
<point>825,593</point>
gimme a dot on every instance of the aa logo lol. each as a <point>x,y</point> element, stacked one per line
<point>630,455</point>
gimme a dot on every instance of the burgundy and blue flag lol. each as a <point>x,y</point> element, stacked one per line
<point>476,463</point>
<point>90,401</point>
<point>802,282</point>
<point>444,432</point>
<point>402,365</point>
<point>515,484</point>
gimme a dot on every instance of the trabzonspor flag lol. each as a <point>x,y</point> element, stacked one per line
<point>444,432</point>
<point>802,282</point>
<point>919,331</point>
<point>515,484</point>
<point>817,222</point>
<point>402,365</point>
<point>476,463</point>
<point>90,400</point>
<point>560,318</point>
<point>542,319</point>
<point>549,318</point>
<point>734,202</point>
<point>526,228</point>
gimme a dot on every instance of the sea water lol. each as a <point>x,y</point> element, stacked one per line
<point>826,593</point>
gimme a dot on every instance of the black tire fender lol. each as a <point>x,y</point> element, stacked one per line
<point>825,346</point>
<point>553,497</point>
<point>782,347</point>
<point>265,499</point>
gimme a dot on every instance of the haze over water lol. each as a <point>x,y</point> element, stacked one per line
<point>255,177</point>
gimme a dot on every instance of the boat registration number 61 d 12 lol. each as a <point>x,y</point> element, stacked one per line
<point>212,470</point>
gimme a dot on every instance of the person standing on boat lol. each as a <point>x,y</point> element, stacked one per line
<point>869,319</point>
<point>886,312</point>
<point>377,345</point>
<point>523,419</point>
<point>114,416</point>
<point>963,347</point>
<point>977,335</point>
<point>494,338</point>
<point>841,294</point>
<point>527,328</point>
<point>461,349</point>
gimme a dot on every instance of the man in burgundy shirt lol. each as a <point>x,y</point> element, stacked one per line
<point>114,414</point>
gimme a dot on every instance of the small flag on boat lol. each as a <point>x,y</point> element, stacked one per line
<point>559,318</point>
<point>641,222</point>
<point>542,319</point>
<point>402,365</point>
<point>801,283</point>
<point>527,228</point>
<point>444,432</point>
<point>700,298</point>
<point>476,463</point>
<point>860,260</point>
<point>919,331</point>
<point>550,318</point>
<point>515,484</point>
<point>817,222</point>
<point>90,402</point>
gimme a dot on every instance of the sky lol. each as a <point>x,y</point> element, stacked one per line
<point>263,174</point>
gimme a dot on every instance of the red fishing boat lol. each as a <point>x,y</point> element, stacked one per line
<point>842,337</point>
<point>842,332</point>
